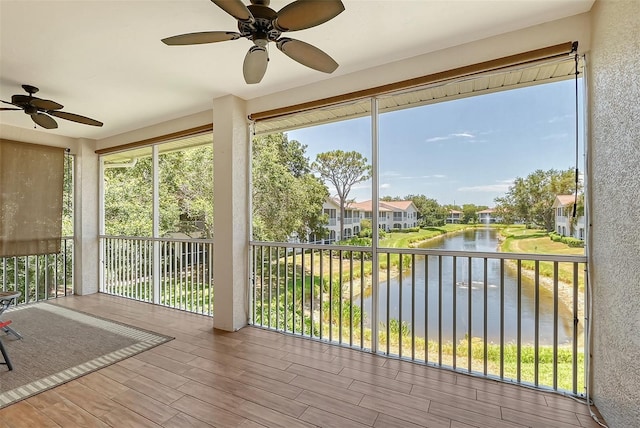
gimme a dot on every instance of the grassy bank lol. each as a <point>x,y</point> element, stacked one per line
<point>517,239</point>
<point>409,240</point>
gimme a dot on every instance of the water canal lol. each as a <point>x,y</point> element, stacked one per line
<point>441,294</point>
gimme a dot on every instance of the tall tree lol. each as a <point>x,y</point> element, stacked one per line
<point>186,194</point>
<point>531,199</point>
<point>342,170</point>
<point>430,213</point>
<point>186,191</point>
<point>470,212</point>
<point>287,197</point>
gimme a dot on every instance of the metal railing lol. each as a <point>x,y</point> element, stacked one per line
<point>511,317</point>
<point>39,277</point>
<point>177,273</point>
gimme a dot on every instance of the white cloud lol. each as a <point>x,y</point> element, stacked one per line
<point>385,186</point>
<point>439,176</point>
<point>434,139</point>
<point>450,137</point>
<point>363,185</point>
<point>562,118</point>
<point>500,187</point>
<point>555,136</point>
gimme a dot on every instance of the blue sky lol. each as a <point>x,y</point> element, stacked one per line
<point>461,151</point>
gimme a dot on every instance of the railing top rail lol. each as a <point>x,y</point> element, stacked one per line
<point>434,252</point>
<point>143,238</point>
<point>488,255</point>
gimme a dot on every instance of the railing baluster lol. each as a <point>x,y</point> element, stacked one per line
<point>37,279</point>
<point>26,280</point>
<point>210,282</point>
<point>537,323</point>
<point>574,360</point>
<point>198,296</point>
<point>191,286</point>
<point>439,310</point>
<point>470,312</point>
<point>555,325</point>
<point>486,316</point>
<point>253,249</point>
<point>270,276</point>
<point>278,288</point>
<point>293,297</point>
<point>303,277</point>
<point>351,298</point>
<point>312,290</point>
<point>388,303</point>
<point>501,318</point>
<point>286,290</point>
<point>340,270</point>
<point>413,307</point>
<point>400,257</point>
<point>426,308</point>
<point>362,283</point>
<point>321,277</point>
<point>519,321</point>
<point>330,295</point>
<point>262,285</point>
<point>454,302</point>
<point>46,277</point>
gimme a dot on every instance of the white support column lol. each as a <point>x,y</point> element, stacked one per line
<point>86,225</point>
<point>156,225</point>
<point>231,213</point>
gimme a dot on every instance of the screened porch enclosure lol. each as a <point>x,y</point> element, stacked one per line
<point>489,314</point>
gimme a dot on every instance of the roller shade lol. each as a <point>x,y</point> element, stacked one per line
<point>31,187</point>
<point>528,68</point>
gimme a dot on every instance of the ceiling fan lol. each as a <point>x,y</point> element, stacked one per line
<point>261,24</point>
<point>41,110</point>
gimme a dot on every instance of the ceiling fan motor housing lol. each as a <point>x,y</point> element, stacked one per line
<point>262,30</point>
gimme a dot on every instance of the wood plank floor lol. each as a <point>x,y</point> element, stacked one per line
<point>254,378</point>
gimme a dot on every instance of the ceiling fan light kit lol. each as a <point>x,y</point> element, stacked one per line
<point>41,110</point>
<point>261,24</point>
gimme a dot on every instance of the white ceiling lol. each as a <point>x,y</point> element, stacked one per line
<point>104,59</point>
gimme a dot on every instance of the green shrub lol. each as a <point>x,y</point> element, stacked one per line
<point>368,233</point>
<point>408,230</point>
<point>568,240</point>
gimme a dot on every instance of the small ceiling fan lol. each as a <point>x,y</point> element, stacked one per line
<point>261,24</point>
<point>41,110</point>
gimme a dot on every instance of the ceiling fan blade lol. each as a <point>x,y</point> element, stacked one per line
<point>75,118</point>
<point>45,104</point>
<point>45,121</point>
<point>8,108</point>
<point>302,14</point>
<point>255,64</point>
<point>201,38</point>
<point>18,99</point>
<point>307,54</point>
<point>236,9</point>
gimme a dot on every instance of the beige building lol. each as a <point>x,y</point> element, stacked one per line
<point>391,215</point>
